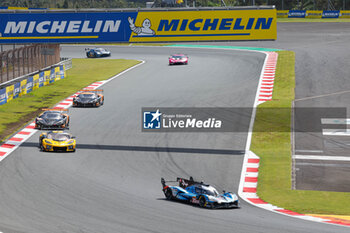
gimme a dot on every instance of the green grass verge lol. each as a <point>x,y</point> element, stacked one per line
<point>271,141</point>
<point>17,112</point>
<point>307,20</point>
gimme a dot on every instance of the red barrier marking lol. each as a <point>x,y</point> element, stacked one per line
<point>251,179</point>
<point>290,212</point>
<point>98,82</point>
<point>23,133</point>
<point>266,87</point>
<point>10,146</point>
<point>69,99</point>
<point>249,190</point>
<point>30,127</point>
<point>257,201</point>
<point>265,99</point>
<point>58,107</point>
<point>64,103</point>
<point>2,153</point>
<point>16,139</point>
<point>252,169</point>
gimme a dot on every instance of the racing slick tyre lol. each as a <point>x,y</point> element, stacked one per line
<point>168,194</point>
<point>202,202</point>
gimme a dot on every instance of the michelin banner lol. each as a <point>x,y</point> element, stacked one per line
<point>141,26</point>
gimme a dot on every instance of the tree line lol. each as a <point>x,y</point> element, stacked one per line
<point>280,4</point>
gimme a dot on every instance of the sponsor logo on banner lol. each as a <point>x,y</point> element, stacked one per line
<point>52,75</point>
<point>313,14</point>
<point>47,74</point>
<point>57,73</point>
<point>23,87</point>
<point>41,79</point>
<point>9,92</point>
<point>16,90</point>
<point>36,81</point>
<point>296,14</point>
<point>330,14</point>
<point>203,25</point>
<point>29,84</point>
<point>3,96</point>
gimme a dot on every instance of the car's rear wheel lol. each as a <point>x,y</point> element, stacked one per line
<point>168,194</point>
<point>202,201</point>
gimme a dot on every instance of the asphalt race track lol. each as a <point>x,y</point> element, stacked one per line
<point>112,183</point>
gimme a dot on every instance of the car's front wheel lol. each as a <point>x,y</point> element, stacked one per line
<point>202,201</point>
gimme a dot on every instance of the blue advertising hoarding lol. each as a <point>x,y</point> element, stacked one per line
<point>41,79</point>
<point>296,14</point>
<point>30,84</point>
<point>3,99</point>
<point>330,14</point>
<point>16,90</point>
<point>65,27</point>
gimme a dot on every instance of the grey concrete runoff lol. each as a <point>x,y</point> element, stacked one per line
<point>107,186</point>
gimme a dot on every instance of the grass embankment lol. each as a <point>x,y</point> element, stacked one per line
<point>271,141</point>
<point>307,20</point>
<point>18,112</point>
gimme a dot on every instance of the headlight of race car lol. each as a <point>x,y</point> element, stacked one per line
<point>212,198</point>
<point>71,142</point>
<point>70,147</point>
<point>48,142</point>
<point>234,196</point>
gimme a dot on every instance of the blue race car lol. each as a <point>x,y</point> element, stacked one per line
<point>97,52</point>
<point>198,193</point>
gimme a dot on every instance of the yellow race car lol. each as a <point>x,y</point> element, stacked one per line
<point>59,141</point>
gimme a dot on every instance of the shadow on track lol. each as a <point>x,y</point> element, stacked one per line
<point>149,149</point>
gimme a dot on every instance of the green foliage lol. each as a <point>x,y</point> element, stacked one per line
<point>280,4</point>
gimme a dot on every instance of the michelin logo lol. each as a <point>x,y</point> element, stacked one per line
<point>73,26</point>
<point>152,120</point>
<point>145,30</point>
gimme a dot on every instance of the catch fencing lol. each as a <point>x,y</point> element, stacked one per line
<point>21,61</point>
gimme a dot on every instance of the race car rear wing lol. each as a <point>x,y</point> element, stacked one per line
<point>183,183</point>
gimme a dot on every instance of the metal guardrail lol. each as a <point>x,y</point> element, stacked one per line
<point>21,61</point>
<point>67,62</point>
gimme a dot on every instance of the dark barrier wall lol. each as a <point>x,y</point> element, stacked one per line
<point>258,23</point>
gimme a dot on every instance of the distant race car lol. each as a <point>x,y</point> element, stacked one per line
<point>198,193</point>
<point>97,52</point>
<point>58,141</point>
<point>52,119</point>
<point>178,59</point>
<point>89,98</point>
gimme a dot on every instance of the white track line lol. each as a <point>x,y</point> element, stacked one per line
<point>321,157</point>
